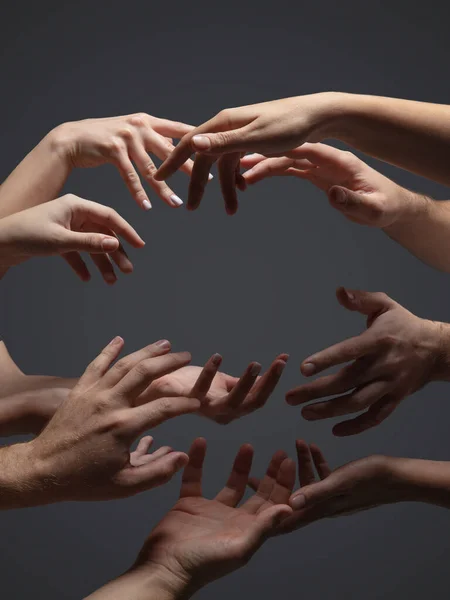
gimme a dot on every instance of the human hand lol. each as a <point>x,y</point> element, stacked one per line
<point>122,141</point>
<point>84,452</point>
<point>360,193</point>
<point>67,226</point>
<point>270,128</point>
<point>223,398</point>
<point>396,356</point>
<point>200,540</point>
<point>359,485</point>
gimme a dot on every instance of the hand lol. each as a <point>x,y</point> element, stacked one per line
<point>84,452</point>
<point>359,192</point>
<point>397,355</point>
<point>223,398</point>
<point>270,128</point>
<point>68,226</point>
<point>200,540</point>
<point>358,485</point>
<point>123,141</point>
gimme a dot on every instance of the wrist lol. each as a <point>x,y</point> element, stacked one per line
<point>440,370</point>
<point>411,208</point>
<point>60,142</point>
<point>422,480</point>
<point>167,582</point>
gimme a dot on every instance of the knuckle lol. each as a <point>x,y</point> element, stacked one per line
<point>139,119</point>
<point>114,146</point>
<point>150,170</point>
<point>126,133</point>
<point>144,368</point>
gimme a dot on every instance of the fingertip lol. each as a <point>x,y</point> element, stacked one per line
<point>308,368</point>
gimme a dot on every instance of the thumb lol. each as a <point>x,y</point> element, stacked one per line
<point>89,242</point>
<point>359,207</point>
<point>223,142</point>
<point>366,303</point>
<point>270,519</point>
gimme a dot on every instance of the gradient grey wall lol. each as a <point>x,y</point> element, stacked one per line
<point>249,286</point>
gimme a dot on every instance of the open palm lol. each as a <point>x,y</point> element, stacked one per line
<point>201,539</point>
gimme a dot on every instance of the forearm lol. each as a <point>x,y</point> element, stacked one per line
<point>422,480</point>
<point>143,584</point>
<point>23,479</point>
<point>424,230</point>
<point>39,177</point>
<point>409,134</point>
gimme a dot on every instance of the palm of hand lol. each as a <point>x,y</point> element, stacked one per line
<point>204,537</point>
<point>181,382</point>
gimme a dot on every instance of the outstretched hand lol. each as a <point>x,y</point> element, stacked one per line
<point>200,540</point>
<point>223,398</point>
<point>397,355</point>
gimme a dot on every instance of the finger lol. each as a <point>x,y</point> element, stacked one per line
<point>148,416</point>
<point>126,364</point>
<point>250,160</point>
<point>171,129</point>
<point>266,484</point>
<point>253,483</point>
<point>119,256</point>
<point>205,379</point>
<point>234,140</point>
<point>199,179</point>
<point>163,148</point>
<point>152,474</point>
<point>371,304</point>
<point>147,168</point>
<point>131,178</point>
<point>104,265</point>
<point>306,474</point>
<point>284,483</point>
<point>263,388</point>
<point>78,265</point>
<point>270,519</point>
<point>376,414</point>
<point>191,484</point>
<point>320,462</point>
<point>147,370</point>
<point>234,489</point>
<point>343,352</point>
<point>347,378</point>
<point>97,214</point>
<point>358,400</point>
<point>227,166</point>
<point>100,365</point>
<point>144,445</point>
<point>238,394</point>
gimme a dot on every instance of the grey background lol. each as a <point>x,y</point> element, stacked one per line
<point>250,286</point>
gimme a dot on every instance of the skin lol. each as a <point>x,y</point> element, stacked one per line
<point>28,402</point>
<point>364,196</point>
<point>201,540</point>
<point>127,142</point>
<point>398,354</point>
<point>84,451</point>
<point>362,484</point>
<point>408,134</point>
<point>68,226</point>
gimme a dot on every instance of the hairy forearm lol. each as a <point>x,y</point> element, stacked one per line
<point>38,178</point>
<point>422,480</point>
<point>408,134</point>
<point>423,228</point>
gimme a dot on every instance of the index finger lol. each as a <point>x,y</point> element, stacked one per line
<point>191,483</point>
<point>108,217</point>
<point>343,352</point>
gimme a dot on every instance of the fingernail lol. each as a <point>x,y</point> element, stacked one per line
<point>181,462</point>
<point>116,340</point>
<point>298,502</point>
<point>109,244</point>
<point>110,278</point>
<point>349,295</point>
<point>201,142</point>
<point>339,196</point>
<point>308,369</point>
<point>255,369</point>
<point>216,359</point>
<point>309,414</point>
<point>146,205</point>
<point>176,200</point>
<point>280,367</point>
<point>210,176</point>
<point>163,343</point>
